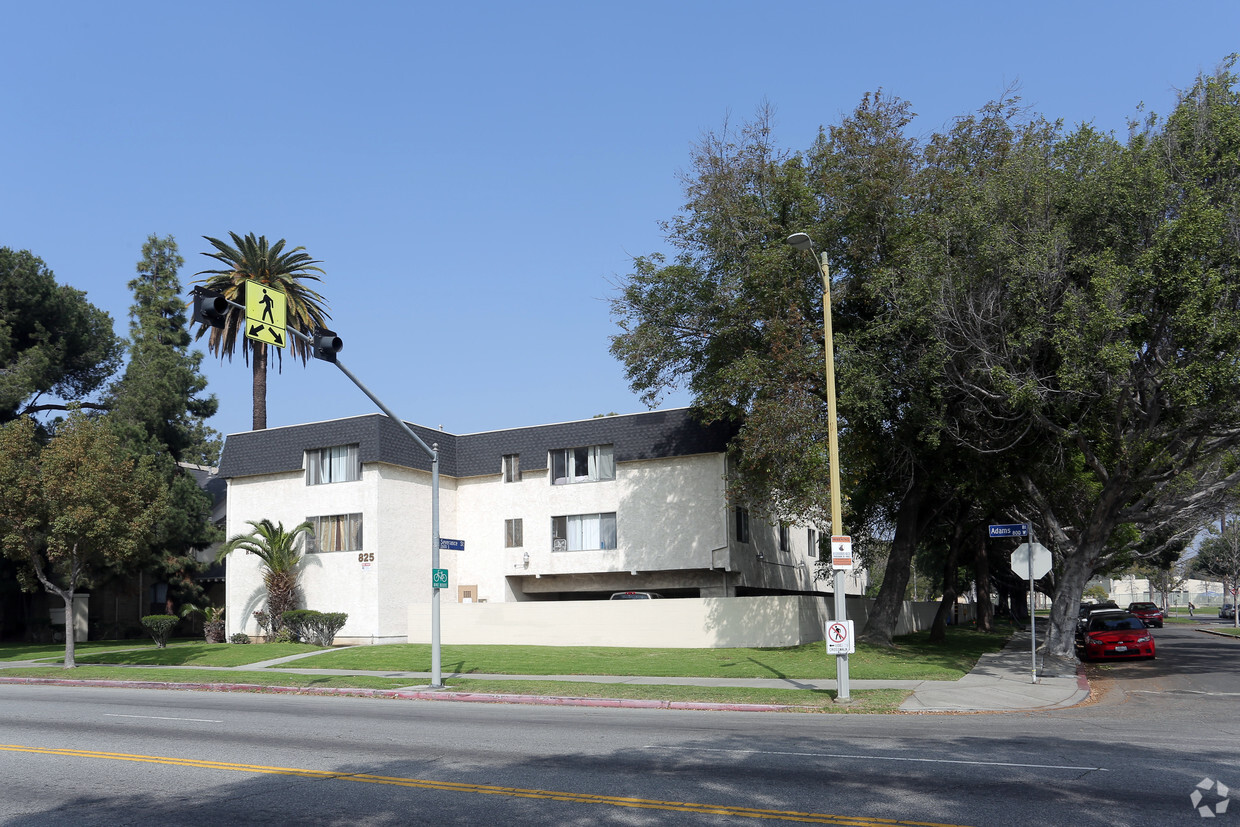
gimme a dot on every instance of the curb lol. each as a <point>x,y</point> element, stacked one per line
<point>414,695</point>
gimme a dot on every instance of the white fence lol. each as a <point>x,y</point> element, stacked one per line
<point>691,623</point>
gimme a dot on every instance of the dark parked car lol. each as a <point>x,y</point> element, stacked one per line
<point>1116,634</point>
<point>1149,612</point>
<point>1086,610</point>
<point>1227,611</point>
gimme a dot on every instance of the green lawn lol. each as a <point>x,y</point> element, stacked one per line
<point>913,658</point>
<point>139,653</point>
<point>866,700</point>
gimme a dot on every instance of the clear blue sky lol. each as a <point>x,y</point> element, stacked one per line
<point>476,176</point>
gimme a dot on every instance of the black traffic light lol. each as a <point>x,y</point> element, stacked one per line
<point>325,344</point>
<point>210,308</point>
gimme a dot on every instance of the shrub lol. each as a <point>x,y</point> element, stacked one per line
<point>160,627</point>
<point>264,624</point>
<point>329,624</point>
<point>240,637</point>
<point>283,636</point>
<point>300,624</point>
<point>309,626</point>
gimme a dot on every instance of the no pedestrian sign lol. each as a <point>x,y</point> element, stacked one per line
<point>841,553</point>
<point>840,640</point>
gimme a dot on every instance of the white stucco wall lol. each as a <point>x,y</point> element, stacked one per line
<point>690,623</point>
<point>396,526</point>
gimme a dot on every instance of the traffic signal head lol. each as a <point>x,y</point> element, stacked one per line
<point>325,344</point>
<point>210,308</point>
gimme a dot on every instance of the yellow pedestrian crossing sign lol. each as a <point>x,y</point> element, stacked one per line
<point>265,309</point>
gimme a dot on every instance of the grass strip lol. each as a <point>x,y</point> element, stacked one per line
<point>863,701</point>
<point>912,658</point>
<point>198,654</point>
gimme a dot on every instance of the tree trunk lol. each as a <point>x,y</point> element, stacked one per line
<point>259,422</point>
<point>1077,569</point>
<point>938,629</point>
<point>981,577</point>
<point>884,616</point>
<point>70,637</point>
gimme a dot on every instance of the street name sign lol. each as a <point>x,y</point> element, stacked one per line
<point>451,545</point>
<point>1010,530</point>
<point>840,639</point>
<point>266,310</point>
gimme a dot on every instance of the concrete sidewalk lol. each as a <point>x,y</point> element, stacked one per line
<point>1001,682</point>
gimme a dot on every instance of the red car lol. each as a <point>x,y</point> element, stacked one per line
<point>1117,635</point>
<point>1149,612</point>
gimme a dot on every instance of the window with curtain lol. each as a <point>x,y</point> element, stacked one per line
<point>336,532</point>
<point>512,467</point>
<point>591,463</point>
<point>583,532</point>
<point>338,464</point>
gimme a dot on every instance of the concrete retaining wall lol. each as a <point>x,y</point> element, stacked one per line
<point>692,623</point>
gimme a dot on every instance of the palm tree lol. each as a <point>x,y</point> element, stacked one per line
<point>251,258</point>
<point>280,553</point>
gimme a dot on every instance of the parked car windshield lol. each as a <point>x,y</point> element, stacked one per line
<point>1115,624</point>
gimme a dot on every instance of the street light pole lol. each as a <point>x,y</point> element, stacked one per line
<point>801,241</point>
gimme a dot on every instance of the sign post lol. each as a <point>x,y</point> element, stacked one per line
<point>1023,564</point>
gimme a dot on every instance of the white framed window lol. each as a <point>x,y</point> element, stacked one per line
<point>583,532</point>
<point>340,463</point>
<point>742,524</point>
<point>513,531</point>
<point>811,547</point>
<point>335,532</point>
<point>512,468</point>
<point>591,463</point>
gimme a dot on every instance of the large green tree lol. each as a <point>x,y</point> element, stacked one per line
<point>1095,306</point>
<point>160,407</point>
<point>252,258</point>
<point>73,508</point>
<point>737,319</point>
<point>52,340</point>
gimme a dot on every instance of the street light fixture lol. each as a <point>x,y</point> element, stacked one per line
<point>801,241</point>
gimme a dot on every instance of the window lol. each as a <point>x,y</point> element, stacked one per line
<point>512,533</point>
<point>811,547</point>
<point>583,532</point>
<point>742,524</point>
<point>338,464</point>
<point>589,464</point>
<point>338,532</point>
<point>785,539</point>
<point>512,467</point>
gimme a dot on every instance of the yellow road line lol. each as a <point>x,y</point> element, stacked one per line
<point>485,789</point>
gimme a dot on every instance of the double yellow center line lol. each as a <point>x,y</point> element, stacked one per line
<point>483,789</point>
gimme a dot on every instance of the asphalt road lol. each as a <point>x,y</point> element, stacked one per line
<point>1132,756</point>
